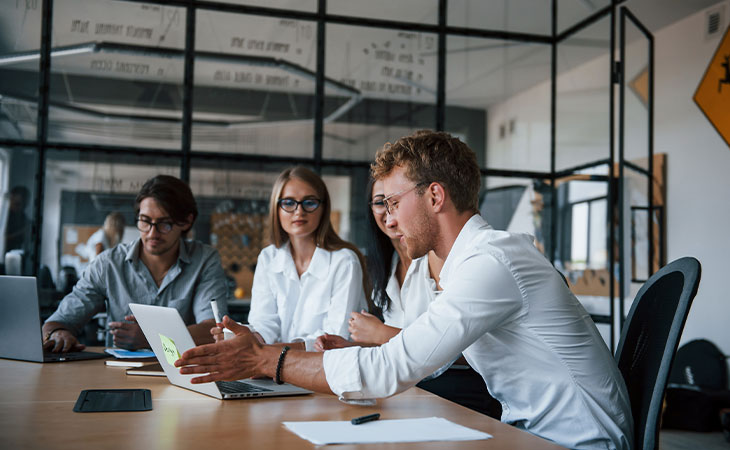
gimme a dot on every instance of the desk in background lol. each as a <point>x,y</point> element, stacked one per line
<point>36,403</point>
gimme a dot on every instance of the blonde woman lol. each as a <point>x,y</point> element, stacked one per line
<point>106,237</point>
<point>309,280</point>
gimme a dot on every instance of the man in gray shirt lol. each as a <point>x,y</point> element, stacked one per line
<point>160,268</point>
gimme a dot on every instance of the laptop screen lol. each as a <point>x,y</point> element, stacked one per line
<point>20,319</point>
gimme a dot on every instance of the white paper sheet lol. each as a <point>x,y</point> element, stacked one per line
<point>378,431</point>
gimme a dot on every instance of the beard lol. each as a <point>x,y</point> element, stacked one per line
<point>161,249</point>
<point>423,233</point>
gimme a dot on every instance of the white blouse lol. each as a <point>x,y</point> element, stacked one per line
<point>409,301</point>
<point>99,237</point>
<point>289,308</point>
<point>412,299</point>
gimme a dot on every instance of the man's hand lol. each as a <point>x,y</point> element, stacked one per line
<point>231,359</point>
<point>62,341</point>
<point>128,334</point>
<point>331,341</point>
<point>365,327</point>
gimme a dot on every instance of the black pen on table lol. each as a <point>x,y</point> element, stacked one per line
<point>365,419</point>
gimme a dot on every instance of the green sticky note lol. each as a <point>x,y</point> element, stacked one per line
<point>168,346</point>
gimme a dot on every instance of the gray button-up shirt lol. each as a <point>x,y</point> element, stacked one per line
<point>118,277</point>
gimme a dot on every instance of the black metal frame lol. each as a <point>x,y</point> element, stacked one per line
<point>623,163</point>
<point>321,17</point>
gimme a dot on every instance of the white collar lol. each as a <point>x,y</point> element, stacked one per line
<point>465,237</point>
<point>319,266</point>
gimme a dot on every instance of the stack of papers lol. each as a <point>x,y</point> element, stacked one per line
<point>154,370</point>
<point>399,430</point>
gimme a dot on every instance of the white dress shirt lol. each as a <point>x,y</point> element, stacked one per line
<point>288,308</point>
<point>506,308</point>
<point>409,301</point>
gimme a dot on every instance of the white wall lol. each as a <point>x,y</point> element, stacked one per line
<point>698,174</point>
<point>698,160</point>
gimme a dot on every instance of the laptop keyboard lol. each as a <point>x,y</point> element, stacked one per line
<point>237,387</point>
<point>71,356</point>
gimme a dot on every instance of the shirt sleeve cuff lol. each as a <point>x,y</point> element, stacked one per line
<point>342,372</point>
<point>269,338</point>
<point>69,324</point>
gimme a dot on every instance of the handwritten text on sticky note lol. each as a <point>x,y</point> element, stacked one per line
<point>168,346</point>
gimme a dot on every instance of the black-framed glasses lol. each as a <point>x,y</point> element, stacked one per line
<point>163,226</point>
<point>391,205</point>
<point>308,204</point>
<point>377,204</point>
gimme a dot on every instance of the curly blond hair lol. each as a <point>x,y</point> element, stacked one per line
<point>434,156</point>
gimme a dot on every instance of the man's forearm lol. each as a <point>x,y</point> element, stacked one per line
<point>300,368</point>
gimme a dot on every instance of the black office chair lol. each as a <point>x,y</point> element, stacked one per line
<point>649,342</point>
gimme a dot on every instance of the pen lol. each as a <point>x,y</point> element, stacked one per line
<point>216,314</point>
<point>365,419</point>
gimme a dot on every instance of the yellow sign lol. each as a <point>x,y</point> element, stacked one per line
<point>713,93</point>
<point>640,85</point>
<point>168,346</point>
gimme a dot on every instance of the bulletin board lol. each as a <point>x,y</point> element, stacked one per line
<point>239,238</point>
<point>73,236</point>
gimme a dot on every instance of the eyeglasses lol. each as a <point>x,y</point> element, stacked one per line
<point>377,204</point>
<point>392,205</point>
<point>162,226</point>
<point>308,204</point>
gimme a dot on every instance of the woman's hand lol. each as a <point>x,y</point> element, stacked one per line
<point>331,341</point>
<point>365,327</point>
<point>217,332</point>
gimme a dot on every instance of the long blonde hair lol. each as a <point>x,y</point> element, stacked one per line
<point>325,236</point>
<point>114,227</point>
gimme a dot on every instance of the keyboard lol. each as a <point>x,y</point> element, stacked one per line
<point>238,387</point>
<point>72,356</point>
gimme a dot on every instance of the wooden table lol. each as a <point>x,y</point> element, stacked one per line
<point>37,400</point>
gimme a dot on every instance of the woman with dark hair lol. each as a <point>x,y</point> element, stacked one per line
<point>309,280</point>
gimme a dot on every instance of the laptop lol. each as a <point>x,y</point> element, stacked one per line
<point>20,322</point>
<point>166,332</point>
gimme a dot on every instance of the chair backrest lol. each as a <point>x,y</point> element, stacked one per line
<point>649,342</point>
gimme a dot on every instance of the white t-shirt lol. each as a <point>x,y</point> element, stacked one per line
<point>289,308</point>
<point>509,312</point>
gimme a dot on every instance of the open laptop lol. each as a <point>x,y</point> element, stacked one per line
<point>20,322</point>
<point>165,331</point>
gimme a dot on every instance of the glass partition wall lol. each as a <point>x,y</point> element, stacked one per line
<point>98,95</point>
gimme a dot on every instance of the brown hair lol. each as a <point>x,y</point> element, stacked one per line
<point>434,156</point>
<point>173,195</point>
<point>325,236</point>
